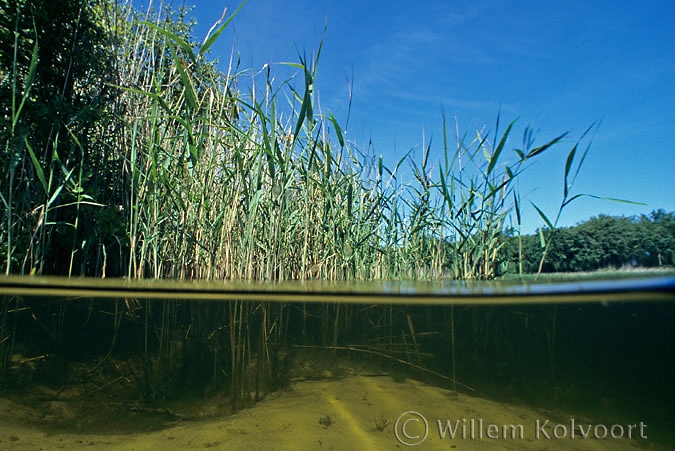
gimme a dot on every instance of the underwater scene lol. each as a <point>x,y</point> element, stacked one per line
<point>118,364</point>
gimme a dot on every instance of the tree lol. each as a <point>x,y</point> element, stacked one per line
<point>56,62</point>
<point>600,242</point>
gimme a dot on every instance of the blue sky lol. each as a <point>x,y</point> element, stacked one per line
<point>553,66</point>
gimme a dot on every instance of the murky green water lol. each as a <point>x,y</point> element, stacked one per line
<point>110,356</point>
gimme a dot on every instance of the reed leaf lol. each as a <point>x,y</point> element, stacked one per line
<point>188,88</point>
<point>543,216</point>
<point>540,149</point>
<point>37,166</point>
<point>213,37</point>
<point>28,83</point>
<point>500,147</point>
<point>182,43</point>
<point>338,130</point>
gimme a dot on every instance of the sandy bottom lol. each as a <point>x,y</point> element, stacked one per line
<point>354,413</point>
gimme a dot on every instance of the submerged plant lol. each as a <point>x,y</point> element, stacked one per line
<point>381,423</point>
<point>326,421</point>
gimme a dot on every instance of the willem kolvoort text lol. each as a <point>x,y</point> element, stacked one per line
<point>541,430</point>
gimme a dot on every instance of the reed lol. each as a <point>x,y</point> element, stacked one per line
<point>185,175</point>
<point>209,182</point>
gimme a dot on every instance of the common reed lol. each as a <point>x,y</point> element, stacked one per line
<point>198,179</point>
<point>186,175</point>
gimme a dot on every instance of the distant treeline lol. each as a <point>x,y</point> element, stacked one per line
<point>599,243</point>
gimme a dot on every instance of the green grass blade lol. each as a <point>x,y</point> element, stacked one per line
<point>540,149</point>
<point>211,38</point>
<point>568,166</point>
<point>36,165</point>
<point>543,216</point>
<point>581,161</point>
<point>175,38</point>
<point>305,111</point>
<point>622,201</point>
<point>57,191</point>
<point>29,81</point>
<point>542,241</point>
<point>520,153</point>
<point>294,65</point>
<point>610,199</point>
<point>500,147</point>
<point>444,188</point>
<point>516,207</point>
<point>338,130</point>
<point>190,94</point>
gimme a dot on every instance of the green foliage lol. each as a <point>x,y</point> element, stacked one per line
<point>126,151</point>
<point>55,63</point>
<point>601,242</point>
